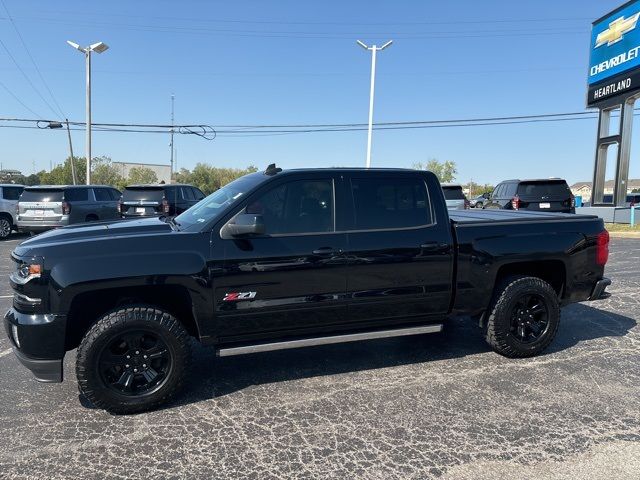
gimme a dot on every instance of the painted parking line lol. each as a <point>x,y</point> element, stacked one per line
<point>5,353</point>
<point>6,296</point>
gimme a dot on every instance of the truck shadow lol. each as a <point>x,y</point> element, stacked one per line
<point>216,377</point>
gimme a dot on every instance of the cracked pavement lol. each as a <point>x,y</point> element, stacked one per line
<point>433,406</point>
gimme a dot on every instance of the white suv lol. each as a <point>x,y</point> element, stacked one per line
<point>9,195</point>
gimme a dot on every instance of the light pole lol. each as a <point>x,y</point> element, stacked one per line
<point>98,48</point>
<point>374,49</point>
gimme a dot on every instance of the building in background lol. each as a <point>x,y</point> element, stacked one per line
<point>584,188</point>
<point>163,172</point>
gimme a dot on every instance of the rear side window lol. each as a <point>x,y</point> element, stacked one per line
<point>41,195</point>
<point>303,206</point>
<point>76,194</point>
<point>197,194</point>
<point>102,194</point>
<point>135,194</point>
<point>498,191</point>
<point>115,194</point>
<point>453,193</point>
<point>382,203</point>
<point>510,190</point>
<point>187,194</point>
<point>544,189</point>
<point>11,193</point>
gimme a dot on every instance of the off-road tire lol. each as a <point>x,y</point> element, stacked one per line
<point>117,322</point>
<point>498,329</point>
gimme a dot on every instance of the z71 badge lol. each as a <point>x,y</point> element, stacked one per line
<point>236,296</point>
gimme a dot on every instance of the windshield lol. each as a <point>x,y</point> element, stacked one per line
<point>453,193</point>
<point>41,195</point>
<point>142,193</point>
<point>210,207</point>
<point>544,189</point>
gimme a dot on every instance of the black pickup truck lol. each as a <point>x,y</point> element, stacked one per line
<point>285,259</point>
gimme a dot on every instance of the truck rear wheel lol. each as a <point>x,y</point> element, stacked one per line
<point>524,319</point>
<point>133,359</point>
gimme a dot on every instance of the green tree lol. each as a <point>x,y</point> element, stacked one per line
<point>33,179</point>
<point>142,175</point>
<point>208,178</point>
<point>445,171</point>
<point>103,172</point>
<point>61,174</point>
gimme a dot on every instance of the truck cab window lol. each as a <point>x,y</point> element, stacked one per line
<point>302,206</point>
<point>382,203</point>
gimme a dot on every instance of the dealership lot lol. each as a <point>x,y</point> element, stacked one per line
<point>440,405</point>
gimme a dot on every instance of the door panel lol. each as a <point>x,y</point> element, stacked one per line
<point>278,283</point>
<point>405,269</point>
<point>292,279</point>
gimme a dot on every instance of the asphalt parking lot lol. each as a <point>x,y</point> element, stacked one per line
<point>440,406</point>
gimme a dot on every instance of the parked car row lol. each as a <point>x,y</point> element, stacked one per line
<point>39,208</point>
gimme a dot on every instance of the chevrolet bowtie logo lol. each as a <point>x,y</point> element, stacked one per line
<point>616,30</point>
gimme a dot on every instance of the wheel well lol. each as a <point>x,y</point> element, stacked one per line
<point>551,271</point>
<point>7,216</point>
<point>87,308</point>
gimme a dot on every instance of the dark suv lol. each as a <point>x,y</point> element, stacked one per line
<point>545,195</point>
<point>51,206</point>
<point>158,199</point>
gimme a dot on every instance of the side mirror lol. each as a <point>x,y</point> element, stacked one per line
<point>245,224</point>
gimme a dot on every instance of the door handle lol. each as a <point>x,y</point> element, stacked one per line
<point>434,246</point>
<point>326,251</point>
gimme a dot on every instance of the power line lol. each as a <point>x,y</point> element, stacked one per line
<point>320,34</point>
<point>209,133</point>
<point>17,99</point>
<point>26,77</point>
<point>24,44</point>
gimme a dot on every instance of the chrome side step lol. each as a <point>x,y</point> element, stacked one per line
<point>310,342</point>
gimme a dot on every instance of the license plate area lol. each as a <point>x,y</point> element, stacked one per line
<point>545,205</point>
<point>141,210</point>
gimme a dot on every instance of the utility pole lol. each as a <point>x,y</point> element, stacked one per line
<point>73,167</point>
<point>374,49</point>
<point>98,48</point>
<point>171,143</point>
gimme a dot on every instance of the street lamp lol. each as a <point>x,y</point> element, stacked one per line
<point>98,48</point>
<point>374,49</point>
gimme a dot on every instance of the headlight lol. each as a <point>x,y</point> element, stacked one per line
<point>26,271</point>
<point>32,270</point>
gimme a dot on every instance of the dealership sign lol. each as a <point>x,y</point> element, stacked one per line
<point>614,64</point>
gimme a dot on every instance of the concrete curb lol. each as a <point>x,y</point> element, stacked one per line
<point>624,234</point>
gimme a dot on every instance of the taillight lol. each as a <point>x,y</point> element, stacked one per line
<point>602,248</point>
<point>66,208</point>
<point>467,204</point>
<point>119,206</point>
<point>165,205</point>
<point>573,201</point>
<point>515,202</point>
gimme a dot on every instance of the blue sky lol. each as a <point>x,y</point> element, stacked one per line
<point>296,62</point>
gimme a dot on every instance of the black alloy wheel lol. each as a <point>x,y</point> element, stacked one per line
<point>529,318</point>
<point>135,363</point>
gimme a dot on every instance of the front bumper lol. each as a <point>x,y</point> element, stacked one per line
<point>599,292</point>
<point>45,371</point>
<point>38,341</point>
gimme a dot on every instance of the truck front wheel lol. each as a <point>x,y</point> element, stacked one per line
<point>524,317</point>
<point>133,359</point>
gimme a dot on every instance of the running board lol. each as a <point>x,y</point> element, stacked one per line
<point>310,342</point>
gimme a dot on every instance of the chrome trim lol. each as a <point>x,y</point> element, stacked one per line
<point>310,342</point>
<point>17,279</point>
<point>21,298</point>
